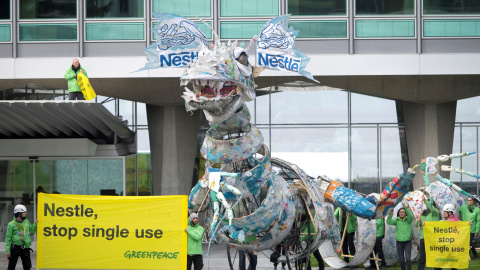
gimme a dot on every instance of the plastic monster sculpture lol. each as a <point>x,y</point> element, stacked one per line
<point>270,190</point>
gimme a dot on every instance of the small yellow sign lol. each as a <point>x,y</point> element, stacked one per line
<point>447,243</point>
<point>112,232</point>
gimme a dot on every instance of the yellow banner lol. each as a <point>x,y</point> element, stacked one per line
<point>111,232</point>
<point>447,243</point>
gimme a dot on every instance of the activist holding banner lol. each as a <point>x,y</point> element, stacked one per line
<point>471,213</point>
<point>194,243</point>
<point>431,214</point>
<point>17,240</point>
<point>403,235</point>
<point>74,91</point>
<point>447,241</point>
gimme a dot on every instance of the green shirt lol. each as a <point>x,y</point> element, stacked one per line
<point>352,221</point>
<point>433,216</point>
<point>403,227</point>
<point>194,239</point>
<point>474,217</point>
<point>72,80</point>
<point>304,237</point>
<point>15,232</point>
<point>380,227</point>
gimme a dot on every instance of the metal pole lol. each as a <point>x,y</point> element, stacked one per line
<point>461,158</point>
<point>350,172</point>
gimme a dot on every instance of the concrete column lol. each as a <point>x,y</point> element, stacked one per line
<point>429,131</point>
<point>173,145</point>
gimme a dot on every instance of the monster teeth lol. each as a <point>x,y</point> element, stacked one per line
<point>211,83</point>
<point>219,86</point>
<point>203,82</point>
<point>238,89</point>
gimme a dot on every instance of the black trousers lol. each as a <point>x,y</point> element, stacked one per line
<point>24,253</point>
<point>378,249</point>
<point>75,95</point>
<point>472,235</point>
<point>241,261</point>
<point>319,258</point>
<point>197,261</point>
<point>404,250</point>
<point>348,245</point>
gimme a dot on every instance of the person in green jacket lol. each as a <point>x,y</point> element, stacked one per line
<point>348,246</point>
<point>74,91</point>
<point>471,213</point>
<point>378,248</point>
<point>403,235</point>
<point>431,214</point>
<point>17,240</point>
<point>194,243</point>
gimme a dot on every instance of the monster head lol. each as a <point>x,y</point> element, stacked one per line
<point>222,80</point>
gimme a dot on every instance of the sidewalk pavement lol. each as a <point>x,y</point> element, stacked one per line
<point>217,259</point>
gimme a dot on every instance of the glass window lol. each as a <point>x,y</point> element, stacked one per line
<point>205,29</point>
<point>385,28</point>
<point>125,109</point>
<point>5,9</point>
<point>145,183</point>
<point>63,177</point>
<point>468,110</point>
<point>52,9</point>
<point>465,140</point>
<point>80,177</point>
<point>310,107</point>
<point>187,8</point>
<point>248,8</point>
<point>141,114</point>
<point>433,7</point>
<point>5,33</point>
<point>308,148</point>
<point>115,31</point>
<point>240,30</point>
<point>320,29</point>
<point>384,7</point>
<point>262,109</point>
<point>367,109</point>
<point>48,32</point>
<point>105,176</point>
<point>97,9</point>
<point>315,7</point>
<point>451,28</point>
<point>130,175</point>
<point>364,160</point>
<point>391,156</point>
<point>143,141</point>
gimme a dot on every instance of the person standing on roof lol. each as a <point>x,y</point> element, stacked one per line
<point>74,91</point>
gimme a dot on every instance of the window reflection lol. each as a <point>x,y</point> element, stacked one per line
<point>308,107</point>
<point>114,9</point>
<point>52,9</point>
<point>318,151</point>
<point>384,7</point>
<point>364,160</point>
<point>451,7</point>
<point>315,7</point>
<point>5,9</point>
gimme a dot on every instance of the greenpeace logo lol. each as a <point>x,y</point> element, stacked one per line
<point>278,61</point>
<point>150,255</point>
<point>177,59</point>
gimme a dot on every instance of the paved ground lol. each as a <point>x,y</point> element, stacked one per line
<point>217,259</point>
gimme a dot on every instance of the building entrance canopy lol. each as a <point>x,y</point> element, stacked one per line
<point>62,128</point>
